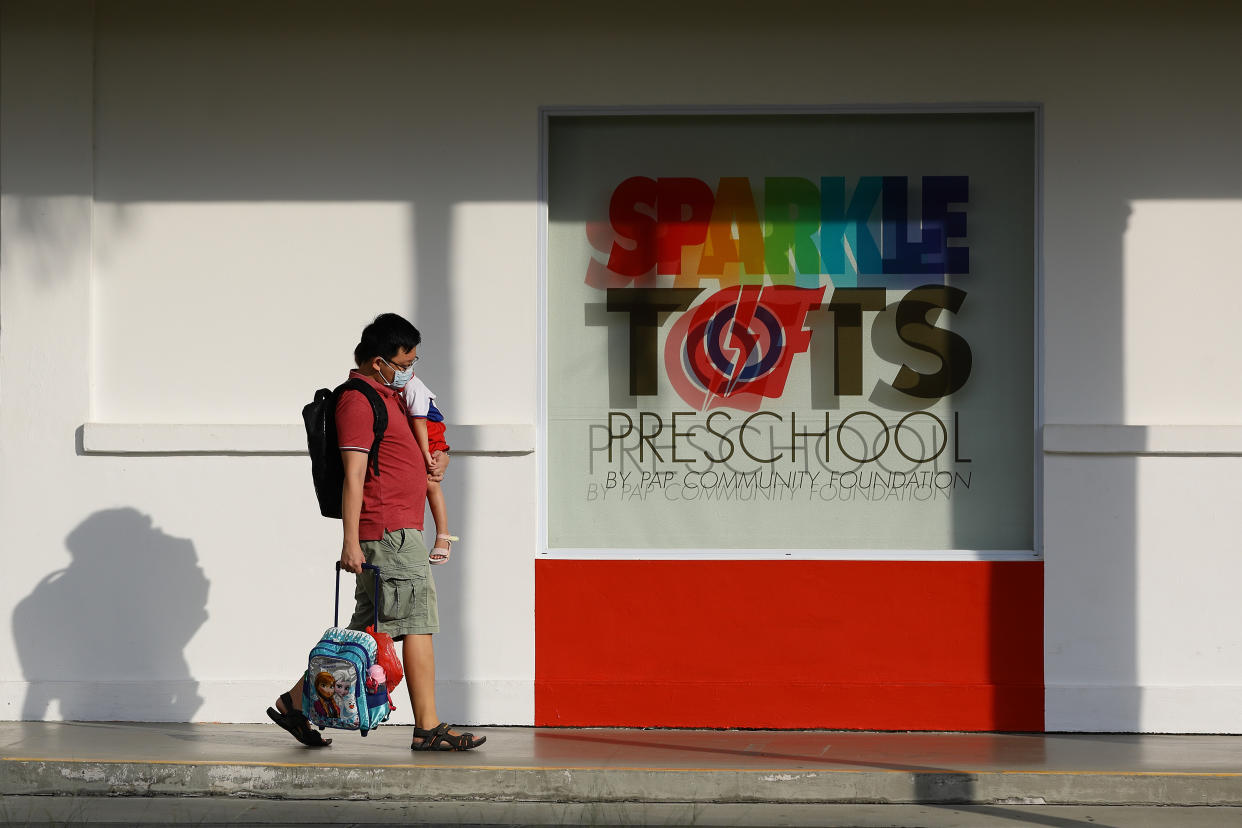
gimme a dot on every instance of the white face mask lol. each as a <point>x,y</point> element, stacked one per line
<point>399,378</point>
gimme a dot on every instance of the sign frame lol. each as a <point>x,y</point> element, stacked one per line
<point>547,114</point>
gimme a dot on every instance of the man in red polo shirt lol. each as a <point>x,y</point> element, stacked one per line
<point>382,521</point>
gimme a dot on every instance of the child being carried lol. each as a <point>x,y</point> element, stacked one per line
<point>427,423</point>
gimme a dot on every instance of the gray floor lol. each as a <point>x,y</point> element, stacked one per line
<point>524,747</point>
<point>251,774</point>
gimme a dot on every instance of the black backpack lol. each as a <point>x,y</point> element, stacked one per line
<point>327,469</point>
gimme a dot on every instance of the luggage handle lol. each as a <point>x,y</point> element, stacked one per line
<point>336,606</point>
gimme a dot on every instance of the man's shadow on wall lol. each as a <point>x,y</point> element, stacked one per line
<point>104,638</point>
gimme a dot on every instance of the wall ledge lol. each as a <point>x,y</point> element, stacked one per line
<point>519,438</point>
<point>1142,708</point>
<point>1153,440</point>
<point>158,439</point>
<point>486,701</point>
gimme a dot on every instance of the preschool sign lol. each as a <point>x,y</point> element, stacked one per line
<point>772,332</point>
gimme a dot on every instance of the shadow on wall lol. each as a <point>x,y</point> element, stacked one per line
<point>104,638</point>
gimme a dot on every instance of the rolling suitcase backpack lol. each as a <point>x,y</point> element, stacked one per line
<point>344,687</point>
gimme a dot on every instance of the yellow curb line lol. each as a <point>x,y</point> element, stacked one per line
<point>221,763</point>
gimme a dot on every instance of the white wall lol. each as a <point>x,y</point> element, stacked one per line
<point>204,202</point>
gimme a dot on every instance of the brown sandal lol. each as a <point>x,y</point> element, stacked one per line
<point>297,724</point>
<point>439,738</point>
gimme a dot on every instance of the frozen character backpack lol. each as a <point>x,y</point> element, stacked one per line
<point>337,691</point>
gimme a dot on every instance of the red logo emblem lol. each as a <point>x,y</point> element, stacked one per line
<point>737,347</point>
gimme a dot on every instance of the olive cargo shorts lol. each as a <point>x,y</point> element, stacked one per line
<point>407,599</point>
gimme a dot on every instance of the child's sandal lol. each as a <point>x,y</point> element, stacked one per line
<point>440,554</point>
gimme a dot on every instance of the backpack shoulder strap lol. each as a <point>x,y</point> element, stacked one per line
<point>379,413</point>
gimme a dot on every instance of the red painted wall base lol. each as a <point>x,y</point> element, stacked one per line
<point>790,644</point>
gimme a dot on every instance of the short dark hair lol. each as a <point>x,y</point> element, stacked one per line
<point>385,336</point>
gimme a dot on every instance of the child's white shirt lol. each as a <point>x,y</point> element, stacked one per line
<point>417,397</point>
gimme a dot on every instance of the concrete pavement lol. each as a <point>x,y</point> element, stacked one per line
<point>637,776</point>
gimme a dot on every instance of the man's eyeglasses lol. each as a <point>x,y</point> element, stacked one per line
<point>397,367</point>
